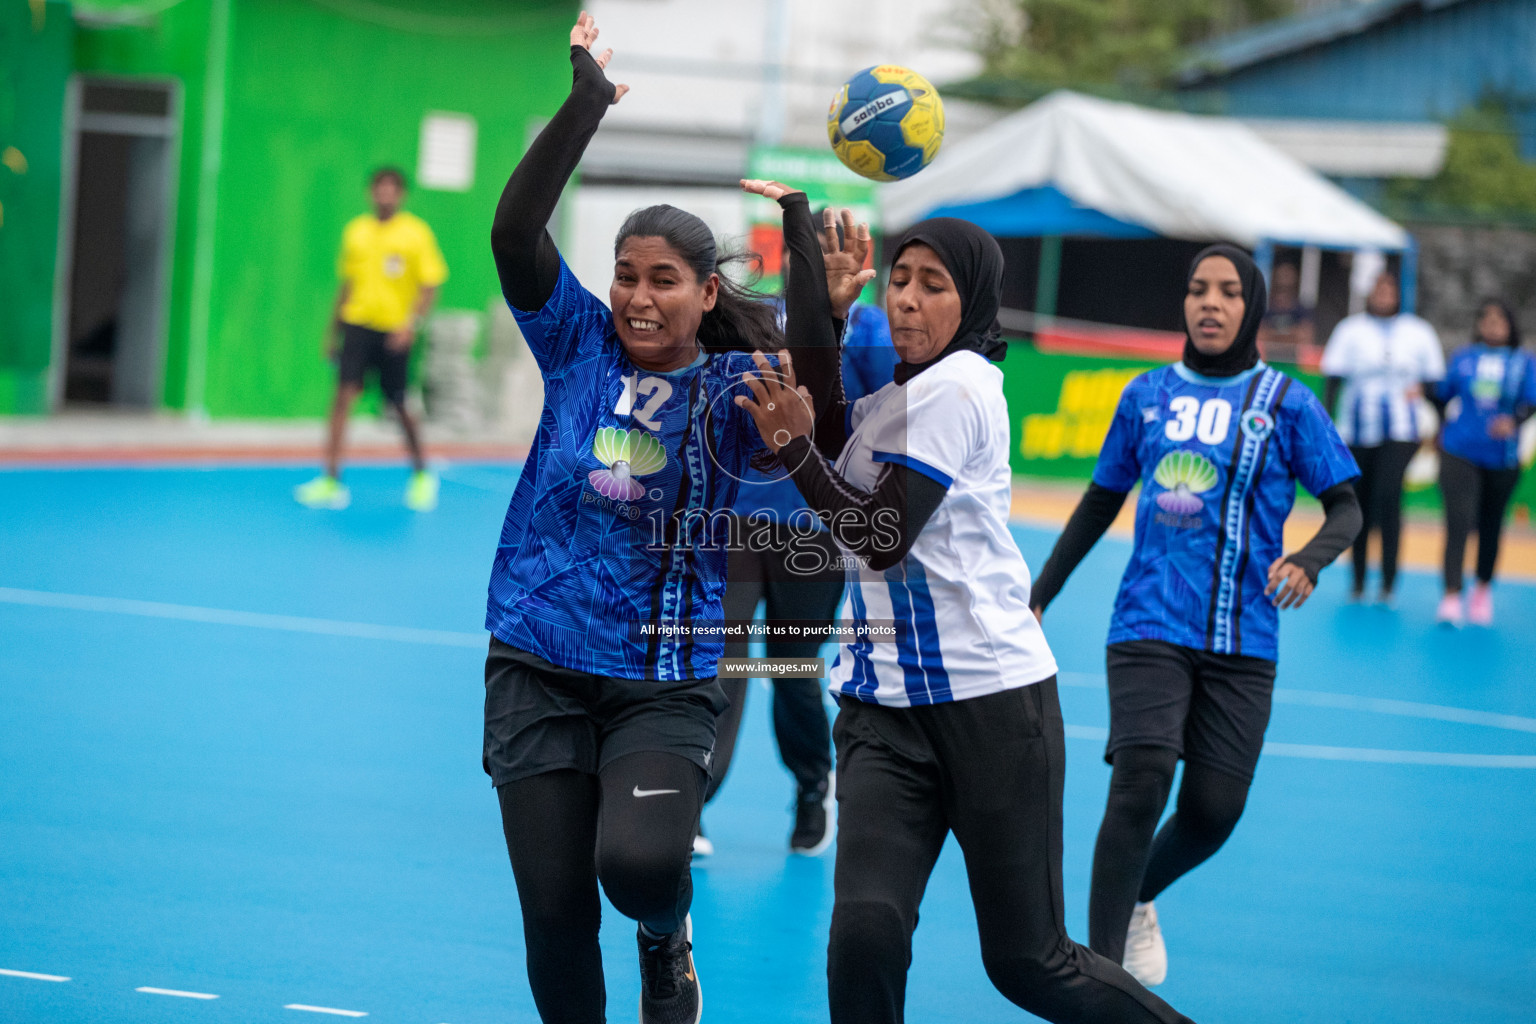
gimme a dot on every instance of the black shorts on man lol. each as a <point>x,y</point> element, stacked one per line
<point>364,349</point>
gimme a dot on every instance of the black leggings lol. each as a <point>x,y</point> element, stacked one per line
<point>1473,495</point>
<point>1129,864</point>
<point>567,830</point>
<point>1380,489</point>
<point>990,769</point>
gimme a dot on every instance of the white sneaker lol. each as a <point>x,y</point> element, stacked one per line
<point>1146,958</point>
<point>702,847</point>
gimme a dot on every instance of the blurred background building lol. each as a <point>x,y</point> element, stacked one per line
<point>174,174</point>
<point>185,168</point>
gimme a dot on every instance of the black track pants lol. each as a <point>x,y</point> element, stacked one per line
<point>1380,489</point>
<point>990,769</point>
<point>630,827</point>
<point>1478,497</point>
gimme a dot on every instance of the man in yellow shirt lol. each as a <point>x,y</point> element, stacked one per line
<point>390,269</point>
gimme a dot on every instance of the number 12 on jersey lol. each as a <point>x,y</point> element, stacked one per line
<point>656,391</point>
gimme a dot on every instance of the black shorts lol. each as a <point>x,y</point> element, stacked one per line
<point>1210,708</point>
<point>540,717</point>
<point>362,349</point>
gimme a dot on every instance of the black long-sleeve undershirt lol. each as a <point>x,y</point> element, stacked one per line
<point>882,524</point>
<point>526,258</point>
<point>1100,505</point>
<point>528,263</point>
<point>1342,518</point>
<point>1094,513</point>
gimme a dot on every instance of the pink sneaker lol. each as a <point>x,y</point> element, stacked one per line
<point>1480,607</point>
<point>1449,612</point>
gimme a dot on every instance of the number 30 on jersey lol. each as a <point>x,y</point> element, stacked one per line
<point>1208,421</point>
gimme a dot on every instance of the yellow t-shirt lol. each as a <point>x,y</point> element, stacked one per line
<point>387,263</point>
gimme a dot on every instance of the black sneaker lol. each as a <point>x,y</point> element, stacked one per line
<point>669,987</point>
<point>813,825</point>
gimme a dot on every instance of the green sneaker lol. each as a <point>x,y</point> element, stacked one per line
<point>421,492</point>
<point>323,491</point>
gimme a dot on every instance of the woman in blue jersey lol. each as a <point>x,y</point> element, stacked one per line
<point>1493,385</point>
<point>1218,442</point>
<point>598,729</point>
<point>951,722</point>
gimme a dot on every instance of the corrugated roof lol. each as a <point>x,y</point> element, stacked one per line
<point>1290,35</point>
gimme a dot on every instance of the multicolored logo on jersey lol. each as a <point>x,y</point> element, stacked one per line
<point>1258,424</point>
<point>625,454</point>
<point>1186,475</point>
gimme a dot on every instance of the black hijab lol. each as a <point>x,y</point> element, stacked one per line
<point>1243,353</point>
<point>975,262</point>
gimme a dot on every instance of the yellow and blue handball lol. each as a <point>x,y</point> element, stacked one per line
<point>886,123</point>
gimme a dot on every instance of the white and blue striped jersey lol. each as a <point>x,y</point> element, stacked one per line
<point>1384,362</point>
<point>960,598</point>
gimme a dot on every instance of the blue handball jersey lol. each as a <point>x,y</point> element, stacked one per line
<point>612,521</point>
<point>1218,459</point>
<point>1486,381</point>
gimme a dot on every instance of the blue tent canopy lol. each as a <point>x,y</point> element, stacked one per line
<point>1042,211</point>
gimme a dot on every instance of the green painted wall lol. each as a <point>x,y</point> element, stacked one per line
<point>34,69</point>
<point>316,94</point>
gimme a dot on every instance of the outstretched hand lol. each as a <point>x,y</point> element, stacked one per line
<point>844,260</point>
<point>774,190</point>
<point>781,410</point>
<point>584,34</point>
<point>1289,586</point>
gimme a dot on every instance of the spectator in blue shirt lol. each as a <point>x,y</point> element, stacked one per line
<point>1488,391</point>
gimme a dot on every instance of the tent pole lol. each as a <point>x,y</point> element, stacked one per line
<point>1409,277</point>
<point>1264,256</point>
<point>1049,279</point>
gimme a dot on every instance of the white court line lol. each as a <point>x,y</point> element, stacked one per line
<point>1405,708</point>
<point>1350,702</point>
<point>34,977</point>
<point>1318,753</point>
<point>255,620</point>
<point>1314,752</point>
<point>175,992</point>
<point>325,1009</point>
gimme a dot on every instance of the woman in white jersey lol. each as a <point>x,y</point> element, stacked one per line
<point>954,725</point>
<point>1382,360</point>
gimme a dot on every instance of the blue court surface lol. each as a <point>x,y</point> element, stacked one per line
<point>240,756</point>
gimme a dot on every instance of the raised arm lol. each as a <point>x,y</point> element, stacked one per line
<point>526,259</point>
<point>825,274</point>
